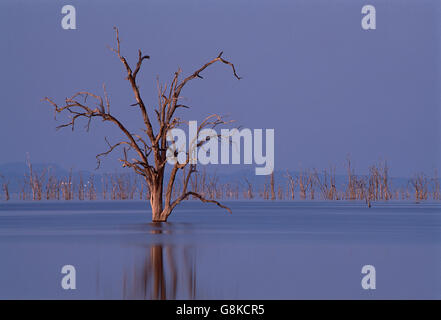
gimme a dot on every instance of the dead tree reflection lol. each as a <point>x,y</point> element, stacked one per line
<point>167,271</point>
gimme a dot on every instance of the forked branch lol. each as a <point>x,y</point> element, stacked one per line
<point>148,144</point>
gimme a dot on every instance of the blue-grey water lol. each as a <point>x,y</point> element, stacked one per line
<point>264,250</point>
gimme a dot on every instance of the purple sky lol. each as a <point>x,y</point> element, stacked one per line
<point>326,86</point>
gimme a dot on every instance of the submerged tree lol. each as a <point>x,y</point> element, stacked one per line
<point>150,147</point>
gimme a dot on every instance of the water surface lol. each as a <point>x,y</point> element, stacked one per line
<point>264,250</point>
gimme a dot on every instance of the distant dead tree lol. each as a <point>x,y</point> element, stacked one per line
<point>273,193</point>
<point>436,194</point>
<point>420,183</point>
<point>67,187</point>
<point>249,190</point>
<point>52,186</point>
<point>379,182</point>
<point>5,187</point>
<point>327,184</point>
<point>352,181</point>
<point>35,181</point>
<point>149,147</point>
<point>304,182</point>
<point>291,184</point>
<point>385,185</point>
<point>280,194</point>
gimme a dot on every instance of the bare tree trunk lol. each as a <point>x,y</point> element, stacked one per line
<point>436,194</point>
<point>157,203</point>
<point>350,192</point>
<point>273,193</point>
<point>249,193</point>
<point>291,185</point>
<point>303,182</point>
<point>5,188</point>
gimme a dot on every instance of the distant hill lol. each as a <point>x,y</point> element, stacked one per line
<point>18,169</point>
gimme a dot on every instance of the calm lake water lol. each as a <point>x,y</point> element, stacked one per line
<point>264,250</point>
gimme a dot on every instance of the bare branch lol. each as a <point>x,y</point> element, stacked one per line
<point>138,65</point>
<point>86,105</point>
<point>132,79</point>
<point>196,74</point>
<point>201,198</point>
<point>111,148</point>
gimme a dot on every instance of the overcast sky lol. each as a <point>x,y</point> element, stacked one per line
<point>327,87</point>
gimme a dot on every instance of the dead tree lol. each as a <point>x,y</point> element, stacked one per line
<point>249,191</point>
<point>35,181</point>
<point>436,194</point>
<point>326,183</point>
<point>273,194</point>
<point>5,186</point>
<point>291,185</point>
<point>420,184</point>
<point>303,180</point>
<point>385,184</point>
<point>149,148</point>
<point>352,181</point>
